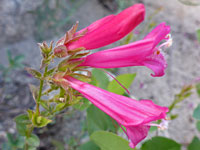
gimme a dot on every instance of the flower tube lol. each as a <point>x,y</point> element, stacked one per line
<point>140,53</point>
<point>135,116</point>
<point>102,32</point>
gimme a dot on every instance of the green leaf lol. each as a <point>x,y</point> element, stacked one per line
<point>40,121</point>
<point>34,90</point>
<point>198,85</point>
<point>21,128</point>
<point>198,125</point>
<point>190,2</point>
<point>160,143</point>
<point>44,104</point>
<point>172,117</point>
<point>89,146</point>
<point>125,79</point>
<point>198,35</point>
<point>101,78</point>
<point>10,59</point>
<point>109,141</point>
<point>50,72</point>
<point>196,113</point>
<point>60,107</point>
<point>104,122</point>
<point>22,119</point>
<point>34,72</point>
<point>11,139</point>
<point>195,144</point>
<point>19,58</point>
<point>33,140</point>
<point>14,141</point>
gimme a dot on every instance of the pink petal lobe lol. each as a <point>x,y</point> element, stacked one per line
<point>158,33</point>
<point>136,134</point>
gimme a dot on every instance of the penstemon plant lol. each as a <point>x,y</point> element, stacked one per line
<point>72,78</point>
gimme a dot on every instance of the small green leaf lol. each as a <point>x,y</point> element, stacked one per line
<point>125,79</point>
<point>190,2</point>
<point>198,125</point>
<point>11,139</point>
<point>50,72</point>
<point>21,128</point>
<point>160,143</point>
<point>195,144</point>
<point>40,121</point>
<point>101,78</point>
<point>33,140</point>
<point>30,114</point>
<point>89,146</point>
<point>109,141</point>
<point>172,117</point>
<point>60,107</point>
<point>198,35</point>
<point>196,113</point>
<point>22,119</point>
<point>34,91</point>
<point>10,59</point>
<point>44,104</point>
<point>34,72</point>
<point>15,141</point>
<point>104,122</point>
<point>198,86</point>
<point>19,58</point>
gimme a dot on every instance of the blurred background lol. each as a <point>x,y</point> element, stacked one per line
<point>24,23</point>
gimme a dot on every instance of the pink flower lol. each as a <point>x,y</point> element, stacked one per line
<point>135,116</point>
<point>104,31</point>
<point>140,53</point>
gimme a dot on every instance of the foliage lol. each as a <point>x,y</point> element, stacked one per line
<point>13,143</point>
<point>14,62</point>
<point>160,143</point>
<point>198,35</point>
<point>99,128</point>
<point>195,144</point>
<point>190,2</point>
<point>109,141</point>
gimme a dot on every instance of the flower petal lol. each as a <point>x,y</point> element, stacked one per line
<point>158,33</point>
<point>136,134</point>
<point>110,29</point>
<point>123,56</point>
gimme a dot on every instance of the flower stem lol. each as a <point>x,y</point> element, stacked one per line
<point>26,146</point>
<point>40,91</point>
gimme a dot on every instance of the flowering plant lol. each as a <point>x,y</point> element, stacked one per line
<point>72,77</point>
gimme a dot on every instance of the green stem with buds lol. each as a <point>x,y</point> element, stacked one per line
<point>40,91</point>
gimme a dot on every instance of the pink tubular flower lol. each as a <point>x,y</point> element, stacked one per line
<point>135,116</point>
<point>140,53</point>
<point>105,31</point>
